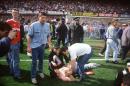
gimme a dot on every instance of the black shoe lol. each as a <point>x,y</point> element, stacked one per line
<point>115,62</point>
<point>17,78</point>
<point>107,61</point>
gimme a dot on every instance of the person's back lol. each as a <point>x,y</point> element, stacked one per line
<point>79,49</point>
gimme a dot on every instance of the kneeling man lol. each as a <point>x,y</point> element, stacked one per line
<point>80,53</point>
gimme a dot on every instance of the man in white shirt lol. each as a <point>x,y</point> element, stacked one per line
<point>112,42</point>
<point>80,53</point>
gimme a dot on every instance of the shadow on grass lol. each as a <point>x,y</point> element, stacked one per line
<point>89,81</point>
<point>113,66</point>
<point>47,81</point>
<point>4,72</point>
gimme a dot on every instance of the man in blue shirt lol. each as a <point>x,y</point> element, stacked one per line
<point>38,36</point>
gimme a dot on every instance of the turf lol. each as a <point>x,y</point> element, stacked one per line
<point>104,75</point>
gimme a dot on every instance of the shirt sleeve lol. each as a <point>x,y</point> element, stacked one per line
<point>5,41</point>
<point>31,30</point>
<point>73,54</point>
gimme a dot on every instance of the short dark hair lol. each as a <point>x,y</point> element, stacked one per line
<point>15,9</point>
<point>64,48</point>
<point>4,26</point>
<point>58,19</point>
<point>126,80</point>
<point>114,20</point>
<point>42,14</point>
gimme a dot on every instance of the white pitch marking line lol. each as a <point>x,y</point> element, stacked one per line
<point>27,60</point>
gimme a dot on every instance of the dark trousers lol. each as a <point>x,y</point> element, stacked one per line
<point>125,50</point>
<point>104,48</point>
<point>59,40</point>
<point>76,40</point>
<point>81,62</point>
<point>37,60</point>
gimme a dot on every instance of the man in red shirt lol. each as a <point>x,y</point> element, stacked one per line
<point>13,55</point>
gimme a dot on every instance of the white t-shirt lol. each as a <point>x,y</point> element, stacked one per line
<point>26,28</point>
<point>78,49</point>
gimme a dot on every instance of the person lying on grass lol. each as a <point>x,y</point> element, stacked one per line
<point>65,73</point>
<point>56,61</point>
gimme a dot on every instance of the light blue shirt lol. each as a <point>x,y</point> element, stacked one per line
<point>39,34</point>
<point>111,32</point>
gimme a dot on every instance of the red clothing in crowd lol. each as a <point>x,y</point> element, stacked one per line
<point>15,26</point>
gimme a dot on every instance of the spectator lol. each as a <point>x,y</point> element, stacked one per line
<point>112,42</point>
<point>38,35</point>
<point>62,33</point>
<point>77,32</point>
<point>13,54</point>
<point>125,42</point>
<point>6,35</point>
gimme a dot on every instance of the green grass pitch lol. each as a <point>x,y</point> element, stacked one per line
<point>104,75</point>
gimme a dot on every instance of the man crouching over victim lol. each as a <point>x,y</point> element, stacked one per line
<point>79,53</point>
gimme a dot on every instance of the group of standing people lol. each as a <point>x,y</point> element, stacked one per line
<point>39,34</point>
<point>116,38</point>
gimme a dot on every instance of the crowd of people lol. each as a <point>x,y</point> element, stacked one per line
<point>66,60</point>
<point>101,6</point>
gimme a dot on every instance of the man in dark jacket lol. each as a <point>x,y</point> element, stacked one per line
<point>5,37</point>
<point>77,32</point>
<point>62,33</point>
<point>125,42</point>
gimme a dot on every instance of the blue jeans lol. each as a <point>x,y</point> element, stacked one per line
<point>37,60</point>
<point>13,59</point>
<point>81,62</point>
<point>111,45</point>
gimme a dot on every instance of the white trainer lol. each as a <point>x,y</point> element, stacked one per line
<point>34,81</point>
<point>41,75</point>
<point>100,54</point>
